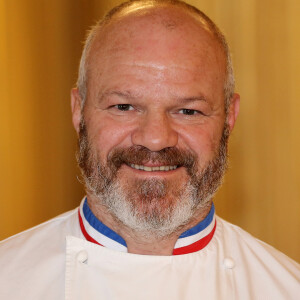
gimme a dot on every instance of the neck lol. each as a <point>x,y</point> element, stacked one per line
<point>139,243</point>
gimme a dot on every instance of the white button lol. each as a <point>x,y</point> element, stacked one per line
<point>228,263</point>
<point>82,256</point>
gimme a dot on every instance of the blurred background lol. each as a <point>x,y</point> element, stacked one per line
<point>40,47</point>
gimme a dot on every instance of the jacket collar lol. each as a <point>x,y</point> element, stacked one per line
<point>192,240</point>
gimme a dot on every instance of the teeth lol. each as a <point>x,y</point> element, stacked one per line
<point>151,169</point>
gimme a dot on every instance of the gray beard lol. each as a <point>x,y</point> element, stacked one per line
<point>151,207</point>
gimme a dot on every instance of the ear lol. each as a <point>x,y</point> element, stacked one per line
<point>76,108</point>
<point>233,111</point>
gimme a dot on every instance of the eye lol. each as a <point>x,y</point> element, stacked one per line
<point>189,112</point>
<point>124,107</point>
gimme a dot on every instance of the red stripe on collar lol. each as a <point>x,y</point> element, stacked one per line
<point>197,245</point>
<point>86,235</point>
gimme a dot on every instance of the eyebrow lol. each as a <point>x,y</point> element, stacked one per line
<point>191,99</point>
<point>125,94</point>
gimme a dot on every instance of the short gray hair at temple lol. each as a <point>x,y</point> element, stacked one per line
<point>229,83</point>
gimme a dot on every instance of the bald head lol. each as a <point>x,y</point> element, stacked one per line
<point>146,18</point>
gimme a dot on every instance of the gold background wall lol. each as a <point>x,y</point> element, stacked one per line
<point>40,45</point>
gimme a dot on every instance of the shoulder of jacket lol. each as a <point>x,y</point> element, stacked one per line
<point>238,238</point>
<point>51,223</point>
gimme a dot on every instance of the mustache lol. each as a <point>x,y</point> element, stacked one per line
<point>140,155</point>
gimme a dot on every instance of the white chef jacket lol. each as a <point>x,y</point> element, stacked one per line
<point>55,261</point>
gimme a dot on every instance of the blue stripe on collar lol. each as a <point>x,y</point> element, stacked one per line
<point>200,226</point>
<point>99,226</point>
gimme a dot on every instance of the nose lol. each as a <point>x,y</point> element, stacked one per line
<point>155,132</point>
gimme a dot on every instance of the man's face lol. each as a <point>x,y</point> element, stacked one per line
<point>154,119</point>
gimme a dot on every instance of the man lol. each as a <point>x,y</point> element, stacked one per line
<point>153,108</point>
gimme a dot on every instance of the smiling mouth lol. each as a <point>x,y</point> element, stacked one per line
<point>153,169</point>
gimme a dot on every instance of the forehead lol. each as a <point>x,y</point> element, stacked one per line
<point>144,25</point>
<point>164,37</point>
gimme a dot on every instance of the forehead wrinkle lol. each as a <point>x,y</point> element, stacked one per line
<point>151,65</point>
<point>156,69</point>
<point>160,67</point>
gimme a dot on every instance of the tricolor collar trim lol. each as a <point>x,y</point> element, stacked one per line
<point>192,240</point>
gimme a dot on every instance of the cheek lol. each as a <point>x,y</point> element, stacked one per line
<point>107,135</point>
<point>202,140</point>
